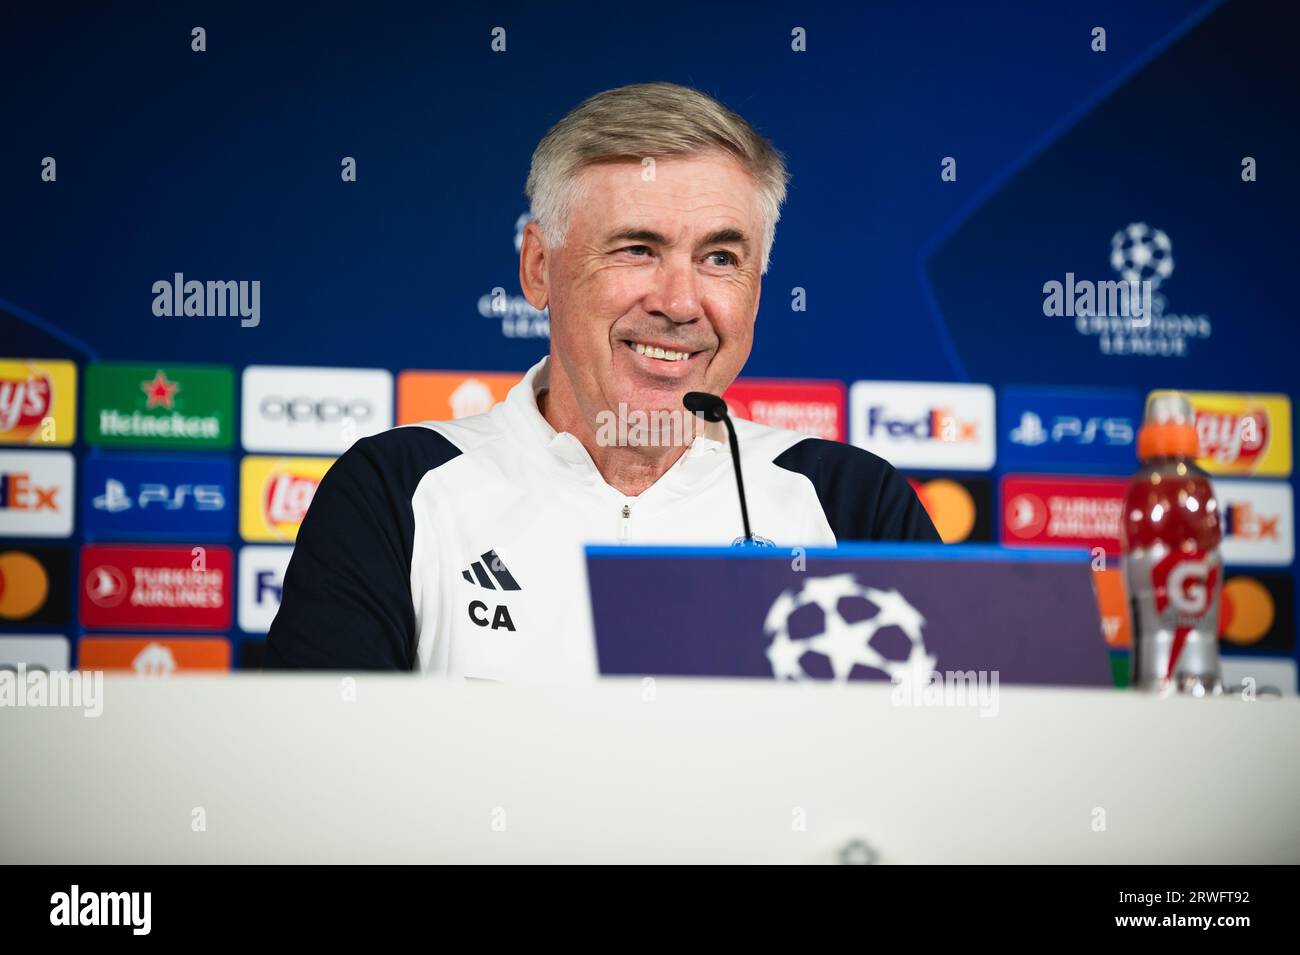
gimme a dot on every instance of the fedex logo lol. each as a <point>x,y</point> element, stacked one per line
<point>19,492</point>
<point>938,424</point>
<point>261,582</point>
<point>35,494</point>
<point>159,497</point>
<point>1258,522</point>
<point>935,426</point>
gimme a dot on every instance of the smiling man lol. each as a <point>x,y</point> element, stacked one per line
<point>456,546</point>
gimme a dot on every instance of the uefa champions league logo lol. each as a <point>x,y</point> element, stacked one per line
<point>1141,254</point>
<point>890,641</point>
<point>1143,257</point>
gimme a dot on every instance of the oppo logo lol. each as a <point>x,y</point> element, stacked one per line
<point>318,410</point>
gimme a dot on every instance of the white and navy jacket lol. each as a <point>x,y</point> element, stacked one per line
<point>456,547</point>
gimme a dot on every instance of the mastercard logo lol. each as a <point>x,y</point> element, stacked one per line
<point>24,585</point>
<point>1246,611</point>
<point>950,506</point>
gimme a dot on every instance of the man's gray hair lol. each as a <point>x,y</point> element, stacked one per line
<point>655,120</point>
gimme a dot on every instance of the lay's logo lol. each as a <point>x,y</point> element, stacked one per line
<point>1243,434</point>
<point>275,495</point>
<point>38,401</point>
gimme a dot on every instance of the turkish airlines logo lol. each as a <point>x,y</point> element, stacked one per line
<point>814,408</point>
<point>156,588</point>
<point>1063,511</point>
<point>106,586</point>
<point>1026,515</point>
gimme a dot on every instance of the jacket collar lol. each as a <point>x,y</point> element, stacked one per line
<point>526,418</point>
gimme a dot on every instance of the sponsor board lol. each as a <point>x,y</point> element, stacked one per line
<point>1257,611</point>
<point>1242,434</point>
<point>1269,674</point>
<point>163,588</point>
<point>261,580</point>
<point>313,410</point>
<point>1258,522</point>
<point>36,493</point>
<point>814,408</point>
<point>38,402</point>
<point>961,508</point>
<point>35,586</point>
<point>160,655</point>
<point>446,395</point>
<point>159,406</point>
<point>926,425</point>
<point>1112,601</point>
<point>275,494</point>
<point>158,497</point>
<point>34,651</point>
<point>1049,428</point>
<point>1061,511</point>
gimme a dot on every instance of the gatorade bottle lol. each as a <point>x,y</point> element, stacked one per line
<point>1171,538</point>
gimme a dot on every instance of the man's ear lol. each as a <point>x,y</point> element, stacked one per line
<point>534,267</point>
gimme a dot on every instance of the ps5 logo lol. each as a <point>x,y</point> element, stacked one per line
<point>115,499</point>
<point>1070,429</point>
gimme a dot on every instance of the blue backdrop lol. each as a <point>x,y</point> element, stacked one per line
<point>225,165</point>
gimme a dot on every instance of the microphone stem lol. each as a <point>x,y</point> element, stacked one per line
<point>740,481</point>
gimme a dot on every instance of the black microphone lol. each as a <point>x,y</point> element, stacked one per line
<point>712,408</point>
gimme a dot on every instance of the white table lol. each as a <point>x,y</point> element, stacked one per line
<point>284,769</point>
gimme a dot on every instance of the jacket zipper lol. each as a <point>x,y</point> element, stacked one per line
<point>625,523</point>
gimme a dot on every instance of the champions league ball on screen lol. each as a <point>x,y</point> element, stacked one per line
<point>834,628</point>
<point>1139,253</point>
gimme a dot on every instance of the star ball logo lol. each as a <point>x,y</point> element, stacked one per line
<point>1142,255</point>
<point>518,318</point>
<point>834,627</point>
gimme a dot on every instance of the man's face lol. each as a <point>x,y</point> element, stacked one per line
<point>672,263</point>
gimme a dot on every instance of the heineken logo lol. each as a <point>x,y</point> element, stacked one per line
<point>148,406</point>
<point>159,391</point>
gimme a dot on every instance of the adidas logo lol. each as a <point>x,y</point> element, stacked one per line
<point>478,573</point>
